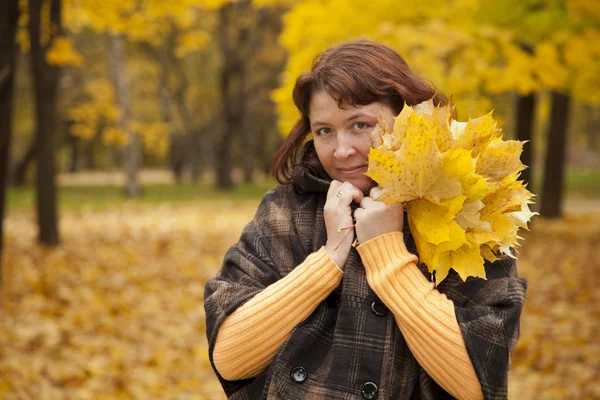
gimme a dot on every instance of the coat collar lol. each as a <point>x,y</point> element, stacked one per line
<point>309,176</point>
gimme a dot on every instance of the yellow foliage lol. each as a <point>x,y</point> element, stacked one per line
<point>22,32</point>
<point>584,9</point>
<point>465,47</point>
<point>582,54</point>
<point>212,4</point>
<point>191,42</point>
<point>549,69</point>
<point>155,136</point>
<point>84,131</point>
<point>458,182</point>
<point>148,21</point>
<point>62,52</point>
<point>45,24</point>
<point>99,107</point>
<point>273,3</point>
<point>116,136</point>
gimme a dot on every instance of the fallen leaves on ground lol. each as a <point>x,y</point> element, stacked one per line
<point>116,312</point>
<point>558,355</point>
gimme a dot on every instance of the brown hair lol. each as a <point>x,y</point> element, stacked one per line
<point>356,73</point>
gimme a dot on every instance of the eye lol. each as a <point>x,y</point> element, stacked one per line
<point>360,125</point>
<point>324,131</point>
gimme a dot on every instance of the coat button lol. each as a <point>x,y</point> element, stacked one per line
<point>379,308</point>
<point>369,390</point>
<point>333,300</point>
<point>299,374</point>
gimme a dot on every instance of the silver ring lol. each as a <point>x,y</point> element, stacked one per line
<point>340,193</point>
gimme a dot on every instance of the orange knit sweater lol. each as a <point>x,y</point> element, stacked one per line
<point>249,338</point>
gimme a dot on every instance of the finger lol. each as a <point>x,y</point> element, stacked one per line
<point>334,188</point>
<point>367,202</point>
<point>357,195</point>
<point>353,193</point>
<point>359,213</point>
<point>375,192</point>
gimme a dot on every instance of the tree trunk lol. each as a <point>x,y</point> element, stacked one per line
<point>73,143</point>
<point>195,154</point>
<point>524,128</point>
<point>45,82</point>
<point>233,40</point>
<point>184,150</point>
<point>133,149</point>
<point>249,141</point>
<point>591,127</point>
<point>89,157</point>
<point>19,177</point>
<point>223,159</point>
<point>176,145</point>
<point>261,78</point>
<point>554,171</point>
<point>192,145</point>
<point>9,16</point>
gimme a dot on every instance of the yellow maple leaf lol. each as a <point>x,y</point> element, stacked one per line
<point>466,261</point>
<point>521,218</point>
<point>382,138</point>
<point>477,135</point>
<point>505,200</point>
<point>418,168</point>
<point>488,253</point>
<point>401,121</point>
<point>461,165</point>
<point>459,183</point>
<point>470,218</point>
<point>426,217</point>
<point>500,159</point>
<point>434,228</point>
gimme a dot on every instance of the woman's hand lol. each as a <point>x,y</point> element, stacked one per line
<point>338,214</point>
<point>375,218</point>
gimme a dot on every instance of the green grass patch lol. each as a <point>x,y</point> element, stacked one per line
<point>583,185</point>
<point>580,185</point>
<point>78,197</point>
<point>584,179</point>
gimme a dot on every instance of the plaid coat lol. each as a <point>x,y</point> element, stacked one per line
<point>344,344</point>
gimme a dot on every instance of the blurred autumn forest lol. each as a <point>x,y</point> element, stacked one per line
<point>184,102</point>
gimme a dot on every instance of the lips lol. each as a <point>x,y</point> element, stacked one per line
<point>353,170</point>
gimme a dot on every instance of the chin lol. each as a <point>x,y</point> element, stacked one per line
<point>363,183</point>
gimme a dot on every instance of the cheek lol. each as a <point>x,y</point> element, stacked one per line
<point>324,151</point>
<point>364,146</point>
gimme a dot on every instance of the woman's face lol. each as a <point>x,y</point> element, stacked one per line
<point>341,137</point>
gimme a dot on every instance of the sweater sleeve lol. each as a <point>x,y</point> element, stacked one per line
<point>249,338</point>
<point>425,316</point>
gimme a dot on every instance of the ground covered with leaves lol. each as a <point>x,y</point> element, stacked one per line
<point>117,310</point>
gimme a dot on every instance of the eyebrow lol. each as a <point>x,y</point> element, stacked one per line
<point>357,115</point>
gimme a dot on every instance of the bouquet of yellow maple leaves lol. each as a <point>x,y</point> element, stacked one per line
<point>458,182</point>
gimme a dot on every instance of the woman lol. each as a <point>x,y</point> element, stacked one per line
<point>297,312</point>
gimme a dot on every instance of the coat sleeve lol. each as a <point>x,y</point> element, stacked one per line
<point>488,313</point>
<point>247,269</point>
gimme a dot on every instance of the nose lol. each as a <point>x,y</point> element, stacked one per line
<point>344,146</point>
